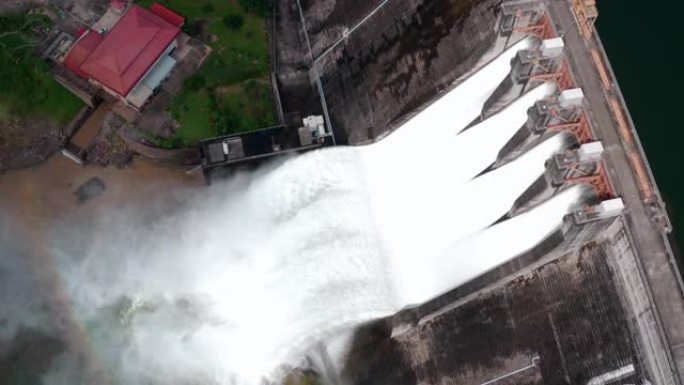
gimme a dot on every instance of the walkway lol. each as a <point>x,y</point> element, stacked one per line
<point>656,258</point>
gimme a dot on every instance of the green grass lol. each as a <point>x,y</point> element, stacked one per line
<point>59,104</point>
<point>245,106</point>
<point>4,112</point>
<point>235,97</point>
<point>193,111</point>
<point>28,88</point>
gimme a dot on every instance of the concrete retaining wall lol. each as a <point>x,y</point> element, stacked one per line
<point>180,157</point>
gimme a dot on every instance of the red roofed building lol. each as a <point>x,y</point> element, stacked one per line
<point>132,59</point>
<point>167,14</point>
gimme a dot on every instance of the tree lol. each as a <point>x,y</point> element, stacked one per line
<point>22,74</point>
<point>208,8</point>
<point>258,7</point>
<point>192,27</point>
<point>195,82</point>
<point>233,21</point>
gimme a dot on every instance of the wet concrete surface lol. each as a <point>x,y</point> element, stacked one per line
<point>292,63</point>
<point>399,59</point>
<point>396,61</point>
<point>561,323</point>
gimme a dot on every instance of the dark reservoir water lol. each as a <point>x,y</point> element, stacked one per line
<point>646,51</point>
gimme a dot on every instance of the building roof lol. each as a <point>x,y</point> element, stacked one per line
<point>151,81</point>
<point>122,57</point>
<point>88,41</point>
<point>167,14</point>
<point>160,71</point>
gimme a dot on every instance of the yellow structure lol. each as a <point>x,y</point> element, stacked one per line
<point>585,14</point>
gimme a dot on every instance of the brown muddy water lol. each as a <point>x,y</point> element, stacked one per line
<point>49,189</point>
<point>32,202</point>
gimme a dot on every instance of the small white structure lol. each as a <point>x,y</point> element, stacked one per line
<point>312,130</point>
<point>610,207</point>
<point>315,124</point>
<point>590,151</point>
<point>571,98</point>
<point>551,48</point>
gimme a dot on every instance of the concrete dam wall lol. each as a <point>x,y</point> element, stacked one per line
<point>541,318</point>
<point>395,61</point>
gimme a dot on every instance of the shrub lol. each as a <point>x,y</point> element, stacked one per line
<point>257,7</point>
<point>169,143</point>
<point>233,21</point>
<point>195,82</point>
<point>208,8</point>
<point>26,85</point>
<point>192,27</point>
<point>227,121</point>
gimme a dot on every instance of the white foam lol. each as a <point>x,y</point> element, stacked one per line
<point>500,243</point>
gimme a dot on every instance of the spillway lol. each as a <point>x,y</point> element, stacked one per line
<point>300,252</point>
<point>501,242</point>
<point>479,203</point>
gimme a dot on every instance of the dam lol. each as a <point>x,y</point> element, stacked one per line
<point>494,221</point>
<point>323,270</point>
<point>598,301</point>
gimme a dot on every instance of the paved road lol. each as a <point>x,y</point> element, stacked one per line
<point>658,263</point>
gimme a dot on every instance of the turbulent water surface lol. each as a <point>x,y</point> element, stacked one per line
<point>247,276</point>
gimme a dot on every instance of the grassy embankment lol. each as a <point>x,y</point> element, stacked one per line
<point>230,93</point>
<point>26,87</point>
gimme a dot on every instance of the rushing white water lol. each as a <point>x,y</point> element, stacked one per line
<point>266,265</point>
<point>504,240</point>
<point>454,110</point>
<point>451,217</point>
<point>423,204</point>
